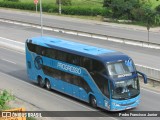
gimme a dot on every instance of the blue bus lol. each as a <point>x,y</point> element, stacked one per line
<point>104,78</point>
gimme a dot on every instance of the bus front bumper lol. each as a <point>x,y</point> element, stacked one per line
<point>120,105</point>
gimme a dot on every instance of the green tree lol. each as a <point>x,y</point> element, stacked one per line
<point>121,8</point>
<point>107,3</point>
<point>158,8</point>
<point>150,15</point>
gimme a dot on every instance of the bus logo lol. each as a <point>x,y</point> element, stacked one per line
<point>38,62</point>
<point>69,68</point>
<point>129,63</point>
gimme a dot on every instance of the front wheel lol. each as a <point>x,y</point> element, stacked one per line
<point>48,85</point>
<point>93,102</point>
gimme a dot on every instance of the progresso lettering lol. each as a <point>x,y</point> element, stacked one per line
<point>69,68</point>
<point>124,75</point>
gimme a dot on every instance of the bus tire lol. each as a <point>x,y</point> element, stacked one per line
<point>41,82</point>
<point>93,101</point>
<point>48,84</point>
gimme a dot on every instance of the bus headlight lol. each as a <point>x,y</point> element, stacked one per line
<point>107,104</point>
<point>115,104</point>
<point>137,101</point>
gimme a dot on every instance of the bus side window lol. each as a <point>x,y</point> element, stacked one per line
<point>38,50</point>
<point>31,47</point>
<point>99,67</point>
<point>84,85</point>
<point>76,60</point>
<point>75,80</point>
<point>87,64</point>
<point>60,55</point>
<point>67,77</point>
<point>106,89</point>
<point>44,52</point>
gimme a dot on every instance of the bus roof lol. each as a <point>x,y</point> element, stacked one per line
<point>79,49</point>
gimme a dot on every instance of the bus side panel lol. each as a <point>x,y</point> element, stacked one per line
<point>30,65</point>
<point>68,88</point>
<point>83,94</point>
<point>32,71</point>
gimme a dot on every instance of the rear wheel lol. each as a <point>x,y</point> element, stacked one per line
<point>41,82</point>
<point>93,101</point>
<point>48,85</point>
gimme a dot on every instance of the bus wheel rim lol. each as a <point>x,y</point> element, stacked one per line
<point>48,85</point>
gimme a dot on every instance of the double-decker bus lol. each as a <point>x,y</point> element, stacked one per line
<point>104,78</point>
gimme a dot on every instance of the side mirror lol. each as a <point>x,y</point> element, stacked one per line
<point>144,76</point>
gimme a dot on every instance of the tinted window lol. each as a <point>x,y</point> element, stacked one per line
<point>31,47</point>
<point>67,77</point>
<point>49,53</point>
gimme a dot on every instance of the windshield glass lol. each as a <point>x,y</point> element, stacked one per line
<point>125,89</point>
<point>121,68</point>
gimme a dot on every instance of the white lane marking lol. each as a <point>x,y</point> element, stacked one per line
<point>8,61</point>
<point>150,91</point>
<point>12,50</point>
<point>11,40</point>
<point>60,98</point>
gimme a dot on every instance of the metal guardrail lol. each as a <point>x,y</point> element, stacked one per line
<point>87,34</point>
<point>152,73</point>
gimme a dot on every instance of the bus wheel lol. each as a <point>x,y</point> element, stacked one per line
<point>48,85</point>
<point>40,82</point>
<point>93,101</point>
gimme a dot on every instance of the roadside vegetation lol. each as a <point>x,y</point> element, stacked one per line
<point>5,98</point>
<point>141,12</point>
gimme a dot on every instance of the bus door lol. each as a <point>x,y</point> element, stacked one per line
<point>83,89</point>
<point>75,87</point>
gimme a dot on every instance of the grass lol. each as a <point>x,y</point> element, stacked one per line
<point>5,97</point>
<point>97,3</point>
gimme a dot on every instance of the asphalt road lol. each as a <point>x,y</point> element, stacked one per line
<point>143,56</point>
<point>14,78</point>
<point>81,25</point>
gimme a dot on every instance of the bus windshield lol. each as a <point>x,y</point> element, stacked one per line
<point>120,68</point>
<point>125,89</point>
